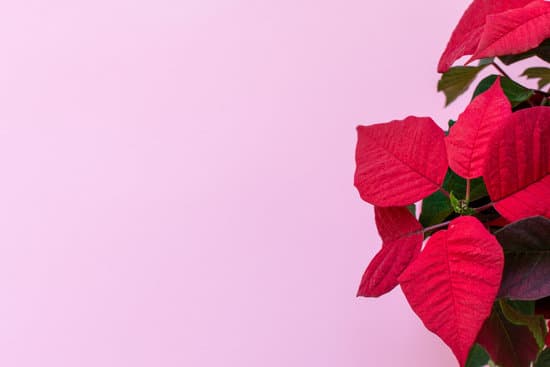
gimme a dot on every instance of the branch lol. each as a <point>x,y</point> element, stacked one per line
<point>503,73</point>
<point>500,70</point>
<point>436,226</point>
<point>484,207</point>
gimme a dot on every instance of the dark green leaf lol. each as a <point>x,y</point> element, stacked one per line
<point>478,357</point>
<point>535,323</point>
<point>525,307</point>
<point>435,208</point>
<point>510,59</point>
<point>542,51</point>
<point>516,93</point>
<point>509,345</point>
<point>526,245</point>
<point>544,359</point>
<point>457,80</point>
<point>412,209</point>
<point>543,74</point>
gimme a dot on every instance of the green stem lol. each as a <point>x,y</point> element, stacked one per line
<point>500,70</point>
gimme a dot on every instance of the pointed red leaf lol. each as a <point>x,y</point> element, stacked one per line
<point>402,236</point>
<point>469,137</point>
<point>517,166</point>
<point>526,245</point>
<point>514,31</point>
<point>452,284</point>
<point>467,33</point>
<point>400,162</point>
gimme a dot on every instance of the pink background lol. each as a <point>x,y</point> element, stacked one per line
<point>177,180</point>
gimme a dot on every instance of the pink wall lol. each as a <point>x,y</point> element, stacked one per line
<point>177,180</point>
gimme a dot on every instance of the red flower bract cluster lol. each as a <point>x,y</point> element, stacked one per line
<point>452,284</point>
<point>497,27</point>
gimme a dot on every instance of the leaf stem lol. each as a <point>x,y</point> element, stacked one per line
<point>483,207</point>
<point>467,191</point>
<point>436,226</point>
<point>444,192</point>
<point>500,70</point>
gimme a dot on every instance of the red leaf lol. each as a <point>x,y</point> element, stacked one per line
<point>499,222</point>
<point>467,33</point>
<point>508,345</point>
<point>514,31</point>
<point>526,248</point>
<point>517,166</point>
<point>452,284</point>
<point>469,137</point>
<point>402,236</point>
<point>400,162</point>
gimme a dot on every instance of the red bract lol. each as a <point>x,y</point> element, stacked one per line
<point>517,167</point>
<point>402,239</point>
<point>469,137</point>
<point>514,31</point>
<point>400,162</point>
<point>452,284</point>
<point>466,36</point>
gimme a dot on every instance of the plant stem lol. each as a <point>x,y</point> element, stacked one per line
<point>500,70</point>
<point>467,190</point>
<point>445,192</point>
<point>436,226</point>
<point>483,208</point>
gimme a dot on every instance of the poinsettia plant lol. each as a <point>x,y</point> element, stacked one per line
<point>475,264</point>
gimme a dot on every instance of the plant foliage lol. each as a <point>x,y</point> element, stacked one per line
<point>482,280</point>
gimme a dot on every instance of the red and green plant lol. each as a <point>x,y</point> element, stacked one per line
<point>481,282</point>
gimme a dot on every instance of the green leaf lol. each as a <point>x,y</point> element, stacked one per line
<point>543,51</point>
<point>478,357</point>
<point>544,359</point>
<point>455,203</point>
<point>535,323</point>
<point>510,59</point>
<point>412,209</point>
<point>525,307</point>
<point>437,207</point>
<point>516,93</point>
<point>538,73</point>
<point>457,80</point>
